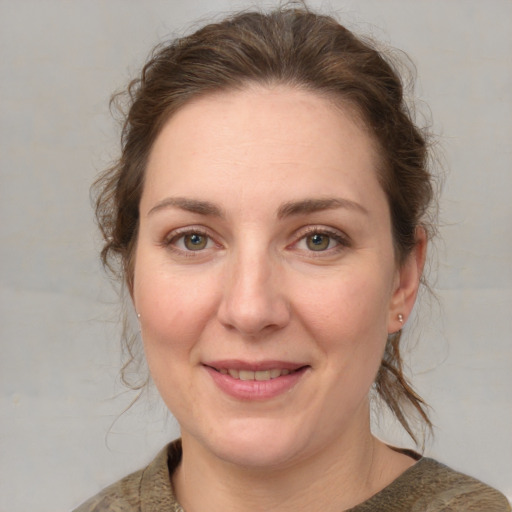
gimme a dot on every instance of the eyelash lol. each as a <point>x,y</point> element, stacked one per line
<point>342,240</point>
<point>171,240</point>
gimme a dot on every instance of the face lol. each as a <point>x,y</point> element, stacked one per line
<point>265,274</point>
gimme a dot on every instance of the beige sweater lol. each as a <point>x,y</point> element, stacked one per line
<point>428,486</point>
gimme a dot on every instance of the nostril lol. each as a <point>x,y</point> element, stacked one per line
<point>253,302</point>
<point>255,320</point>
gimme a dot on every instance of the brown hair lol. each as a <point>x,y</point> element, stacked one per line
<point>287,46</point>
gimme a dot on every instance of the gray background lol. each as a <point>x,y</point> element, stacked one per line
<point>61,437</point>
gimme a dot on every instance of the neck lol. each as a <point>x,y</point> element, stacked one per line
<point>340,476</point>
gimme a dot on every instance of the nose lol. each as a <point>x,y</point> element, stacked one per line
<point>254,302</point>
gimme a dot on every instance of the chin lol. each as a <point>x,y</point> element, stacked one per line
<point>257,455</point>
<point>256,444</point>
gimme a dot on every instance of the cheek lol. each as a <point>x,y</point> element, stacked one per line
<point>174,312</point>
<point>347,318</point>
<point>351,309</point>
<point>174,308</point>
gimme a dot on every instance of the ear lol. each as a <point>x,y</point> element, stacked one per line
<point>407,283</point>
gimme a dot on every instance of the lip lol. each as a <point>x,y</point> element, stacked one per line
<point>239,364</point>
<point>255,389</point>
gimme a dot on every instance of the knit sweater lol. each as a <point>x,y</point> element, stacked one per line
<point>428,486</point>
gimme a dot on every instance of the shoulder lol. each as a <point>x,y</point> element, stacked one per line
<point>433,487</point>
<point>445,489</point>
<point>122,496</point>
<point>147,489</point>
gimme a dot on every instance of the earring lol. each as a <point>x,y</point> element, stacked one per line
<point>138,322</point>
<point>401,318</point>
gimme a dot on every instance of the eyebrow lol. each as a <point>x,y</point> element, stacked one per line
<point>287,209</point>
<point>315,205</point>
<point>190,205</point>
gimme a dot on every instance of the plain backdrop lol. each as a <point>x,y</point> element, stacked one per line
<point>62,432</point>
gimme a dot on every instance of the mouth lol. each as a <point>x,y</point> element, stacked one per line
<point>255,381</point>
<point>259,375</point>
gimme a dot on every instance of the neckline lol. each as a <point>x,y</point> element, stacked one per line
<point>174,455</point>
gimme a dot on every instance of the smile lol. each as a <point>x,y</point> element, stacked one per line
<point>260,375</point>
<point>255,381</point>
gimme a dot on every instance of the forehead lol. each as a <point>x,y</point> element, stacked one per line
<point>259,135</point>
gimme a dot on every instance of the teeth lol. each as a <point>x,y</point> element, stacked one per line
<point>246,375</point>
<point>260,375</point>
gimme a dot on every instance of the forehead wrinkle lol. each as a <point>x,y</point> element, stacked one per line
<point>314,205</point>
<point>188,204</point>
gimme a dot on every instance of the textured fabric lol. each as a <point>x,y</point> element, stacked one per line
<point>428,486</point>
<point>147,490</point>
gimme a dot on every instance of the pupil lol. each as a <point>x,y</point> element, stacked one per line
<point>318,242</point>
<point>195,242</point>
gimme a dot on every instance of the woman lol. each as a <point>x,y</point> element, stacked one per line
<point>269,213</point>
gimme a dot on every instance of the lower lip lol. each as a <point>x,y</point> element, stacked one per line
<point>255,389</point>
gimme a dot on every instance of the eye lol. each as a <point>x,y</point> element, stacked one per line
<point>318,242</point>
<point>189,241</point>
<point>321,240</point>
<point>195,241</point>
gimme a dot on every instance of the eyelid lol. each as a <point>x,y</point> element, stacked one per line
<point>170,239</point>
<point>342,239</point>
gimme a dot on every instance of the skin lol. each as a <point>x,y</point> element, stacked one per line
<point>226,169</point>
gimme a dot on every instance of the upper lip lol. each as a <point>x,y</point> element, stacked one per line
<point>254,365</point>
